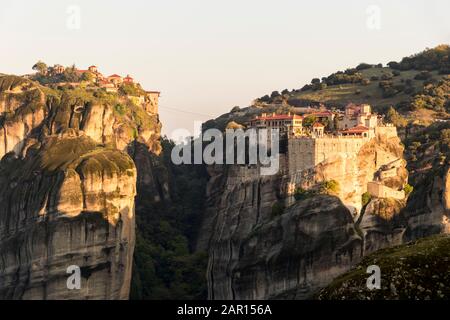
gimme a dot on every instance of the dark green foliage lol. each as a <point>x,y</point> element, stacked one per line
<point>87,76</point>
<point>423,75</point>
<point>131,89</point>
<point>413,271</point>
<point>274,94</point>
<point>27,94</point>
<point>395,118</point>
<point>330,186</point>
<point>306,87</point>
<point>301,194</point>
<point>120,109</point>
<point>9,82</point>
<point>265,98</point>
<point>349,76</point>
<point>309,120</point>
<point>365,198</point>
<point>387,76</point>
<point>165,266</point>
<point>437,58</point>
<point>408,189</point>
<point>71,75</point>
<point>40,67</point>
<point>277,209</point>
<point>434,96</point>
<point>445,139</point>
<point>363,66</point>
<point>319,86</point>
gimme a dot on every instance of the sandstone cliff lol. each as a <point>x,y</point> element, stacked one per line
<point>428,211</point>
<point>265,242</point>
<point>68,188</point>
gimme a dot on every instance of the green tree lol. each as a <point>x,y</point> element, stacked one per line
<point>329,187</point>
<point>309,120</point>
<point>277,209</point>
<point>365,198</point>
<point>40,67</point>
<point>71,74</point>
<point>395,118</point>
<point>88,76</point>
<point>445,139</point>
<point>408,189</point>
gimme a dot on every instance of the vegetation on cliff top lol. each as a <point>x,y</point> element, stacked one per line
<point>417,89</point>
<point>417,82</point>
<point>81,153</point>
<point>417,270</point>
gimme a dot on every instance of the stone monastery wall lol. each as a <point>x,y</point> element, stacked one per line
<point>389,131</point>
<point>379,190</point>
<point>306,152</point>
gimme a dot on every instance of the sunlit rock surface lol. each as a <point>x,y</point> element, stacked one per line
<point>67,188</point>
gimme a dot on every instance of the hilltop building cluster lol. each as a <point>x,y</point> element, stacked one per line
<point>355,121</point>
<point>94,79</point>
<point>110,83</point>
<point>317,136</point>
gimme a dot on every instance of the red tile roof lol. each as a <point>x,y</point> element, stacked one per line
<point>318,125</point>
<point>357,129</point>
<point>321,113</point>
<point>279,117</point>
<point>114,76</point>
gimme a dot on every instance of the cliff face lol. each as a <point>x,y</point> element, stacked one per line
<point>428,210</point>
<point>257,251</point>
<point>67,187</point>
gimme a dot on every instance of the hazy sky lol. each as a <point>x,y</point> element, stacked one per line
<point>206,56</point>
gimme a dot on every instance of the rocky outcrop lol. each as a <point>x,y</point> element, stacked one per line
<point>292,255</point>
<point>379,160</point>
<point>30,111</point>
<point>264,241</point>
<point>427,211</point>
<point>68,189</point>
<point>68,204</point>
<point>382,224</point>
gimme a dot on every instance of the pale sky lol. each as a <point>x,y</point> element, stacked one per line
<point>206,56</point>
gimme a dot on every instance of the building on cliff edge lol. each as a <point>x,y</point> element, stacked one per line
<point>331,135</point>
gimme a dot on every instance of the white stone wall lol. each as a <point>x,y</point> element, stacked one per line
<point>306,152</point>
<point>376,189</point>
<point>389,131</point>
